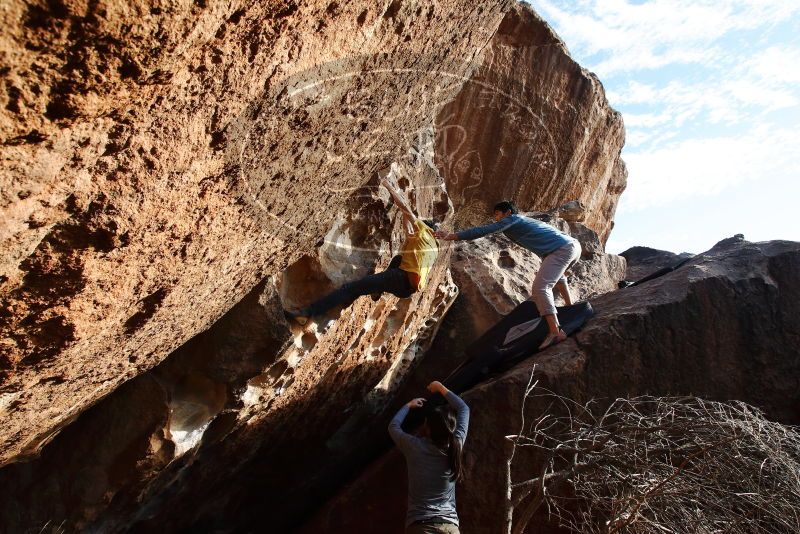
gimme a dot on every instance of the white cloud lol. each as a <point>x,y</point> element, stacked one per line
<point>776,64</point>
<point>647,120</point>
<point>656,33</point>
<point>710,95</point>
<point>718,101</point>
<point>766,82</point>
<point>769,79</point>
<point>697,167</point>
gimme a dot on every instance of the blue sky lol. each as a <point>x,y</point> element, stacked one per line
<point>710,94</point>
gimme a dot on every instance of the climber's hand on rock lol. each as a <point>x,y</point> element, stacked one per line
<point>416,403</point>
<point>437,387</point>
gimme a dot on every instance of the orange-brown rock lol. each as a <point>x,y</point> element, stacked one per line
<point>151,165</point>
<point>159,160</point>
<point>533,126</point>
<point>176,173</point>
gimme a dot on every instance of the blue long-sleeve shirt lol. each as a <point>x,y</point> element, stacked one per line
<point>431,492</point>
<point>536,236</point>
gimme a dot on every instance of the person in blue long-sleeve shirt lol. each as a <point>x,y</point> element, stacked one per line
<point>434,462</point>
<point>558,251</point>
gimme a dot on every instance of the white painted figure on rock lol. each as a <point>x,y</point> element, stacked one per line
<point>558,251</point>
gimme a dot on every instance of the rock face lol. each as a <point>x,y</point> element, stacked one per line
<point>117,230</point>
<point>237,387</point>
<point>643,261</point>
<point>174,175</point>
<point>560,139</point>
<point>723,327</point>
<point>160,157</point>
<point>233,390</point>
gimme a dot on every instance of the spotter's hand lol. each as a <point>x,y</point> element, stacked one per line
<point>437,387</point>
<point>416,403</point>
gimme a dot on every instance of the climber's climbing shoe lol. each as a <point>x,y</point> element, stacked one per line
<point>296,317</point>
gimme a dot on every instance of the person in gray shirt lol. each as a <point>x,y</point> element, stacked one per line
<point>434,462</point>
<point>558,251</point>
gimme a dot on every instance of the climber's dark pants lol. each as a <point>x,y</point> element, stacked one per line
<point>393,280</point>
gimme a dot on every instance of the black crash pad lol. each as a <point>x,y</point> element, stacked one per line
<point>515,337</point>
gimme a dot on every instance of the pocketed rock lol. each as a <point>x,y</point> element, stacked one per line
<point>175,173</point>
<point>254,395</point>
<point>159,160</point>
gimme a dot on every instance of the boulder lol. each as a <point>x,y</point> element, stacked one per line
<point>162,161</point>
<point>174,176</point>
<point>157,158</point>
<point>644,261</point>
<point>533,126</point>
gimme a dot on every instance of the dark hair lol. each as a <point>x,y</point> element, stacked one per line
<point>442,425</point>
<point>505,206</point>
<point>431,224</point>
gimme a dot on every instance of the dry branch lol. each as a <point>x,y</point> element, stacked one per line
<point>655,465</point>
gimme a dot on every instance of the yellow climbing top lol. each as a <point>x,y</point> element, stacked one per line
<point>419,253</point>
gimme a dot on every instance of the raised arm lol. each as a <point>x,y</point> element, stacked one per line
<point>402,439</point>
<point>455,402</point>
<point>486,229</point>
<point>476,232</point>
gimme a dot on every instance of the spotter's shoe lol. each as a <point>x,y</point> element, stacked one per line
<point>553,339</point>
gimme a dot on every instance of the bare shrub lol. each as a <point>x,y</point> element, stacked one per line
<point>655,465</point>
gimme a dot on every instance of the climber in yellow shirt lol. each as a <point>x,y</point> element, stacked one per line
<point>407,273</point>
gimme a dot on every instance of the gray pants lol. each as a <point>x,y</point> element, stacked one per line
<point>550,273</point>
<point>432,528</point>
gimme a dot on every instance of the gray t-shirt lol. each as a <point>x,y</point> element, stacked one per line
<point>431,492</point>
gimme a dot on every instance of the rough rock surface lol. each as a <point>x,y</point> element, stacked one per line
<point>723,327</point>
<point>157,156</point>
<point>643,261</point>
<point>162,150</point>
<point>236,388</point>
<point>532,126</point>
